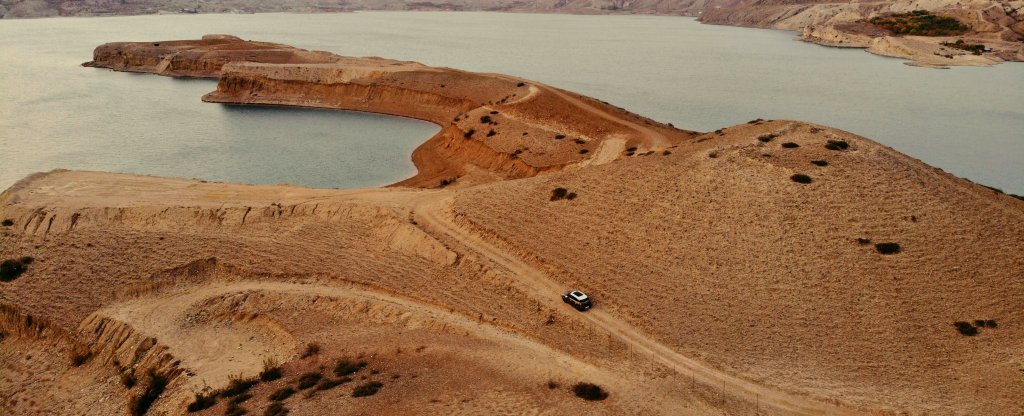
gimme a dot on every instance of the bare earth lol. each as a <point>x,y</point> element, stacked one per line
<point>721,284</point>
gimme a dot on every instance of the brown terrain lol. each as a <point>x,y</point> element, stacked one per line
<point>724,282</point>
<point>994,24</point>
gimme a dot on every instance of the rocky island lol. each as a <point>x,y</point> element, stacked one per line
<point>773,267</point>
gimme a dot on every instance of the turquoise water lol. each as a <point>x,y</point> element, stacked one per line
<point>968,121</point>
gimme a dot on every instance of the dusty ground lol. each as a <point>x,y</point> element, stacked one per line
<point>721,284</point>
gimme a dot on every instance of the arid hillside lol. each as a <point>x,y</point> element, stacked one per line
<point>770,268</point>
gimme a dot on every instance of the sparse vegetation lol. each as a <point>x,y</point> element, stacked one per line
<point>520,84</point>
<point>974,48</point>
<point>469,133</point>
<point>347,367</point>
<point>559,136</point>
<point>790,145</point>
<point>7,222</point>
<point>584,151</point>
<point>155,385</point>
<point>580,141</point>
<point>202,401</point>
<point>863,241</point>
<point>10,269</point>
<point>128,379</point>
<point>562,193</point>
<point>276,409</point>
<point>767,137</point>
<point>552,384</point>
<point>328,383</point>
<point>447,181</point>
<point>888,248</point>
<point>234,409</point>
<point>837,145</point>
<point>589,391</point>
<point>309,380</point>
<point>920,23</point>
<point>755,121</point>
<point>281,394</point>
<point>367,389</point>
<point>491,133</point>
<point>238,385</point>
<point>485,119</point>
<point>241,398</point>
<point>271,370</point>
<point>965,328</point>
<point>819,163</point>
<point>312,349</point>
<point>800,178</point>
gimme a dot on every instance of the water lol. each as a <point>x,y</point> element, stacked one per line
<point>968,121</point>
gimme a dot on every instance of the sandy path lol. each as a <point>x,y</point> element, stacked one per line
<point>432,210</point>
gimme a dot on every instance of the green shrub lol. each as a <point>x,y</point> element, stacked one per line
<point>965,328</point>
<point>588,391</point>
<point>347,367</point>
<point>800,178</point>
<point>367,389</point>
<point>974,48</point>
<point>920,23</point>
<point>888,248</point>
<point>281,394</point>
<point>309,380</point>
<point>155,386</point>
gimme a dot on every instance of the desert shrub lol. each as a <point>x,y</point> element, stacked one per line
<point>980,323</point>
<point>202,402</point>
<point>347,367</point>
<point>281,394</point>
<point>580,141</point>
<point>327,383</point>
<point>241,398</point>
<point>79,355</point>
<point>238,385</point>
<point>837,145</point>
<point>271,370</point>
<point>767,137</point>
<point>311,349</point>
<point>800,178</point>
<point>234,409</point>
<point>128,379</point>
<point>819,163</point>
<point>155,386</point>
<point>559,136</point>
<point>631,149</point>
<point>485,119</point>
<point>570,196</point>
<point>920,23</point>
<point>309,380</point>
<point>965,328</point>
<point>991,323</point>
<point>863,241</point>
<point>666,153</point>
<point>276,409</point>
<point>10,269</point>
<point>588,391</point>
<point>552,384</point>
<point>584,151</point>
<point>755,121</point>
<point>447,181</point>
<point>520,84</point>
<point>975,48</point>
<point>888,248</point>
<point>790,145</point>
<point>558,193</point>
<point>7,223</point>
<point>367,389</point>
<point>469,133</point>
<point>491,133</point>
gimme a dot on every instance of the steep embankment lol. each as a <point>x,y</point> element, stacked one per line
<point>717,250</point>
<point>492,126</point>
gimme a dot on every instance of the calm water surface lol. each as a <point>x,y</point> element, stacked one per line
<point>969,121</point>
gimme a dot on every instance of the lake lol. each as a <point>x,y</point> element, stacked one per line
<point>54,113</point>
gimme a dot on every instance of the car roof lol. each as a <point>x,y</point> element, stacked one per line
<point>578,295</point>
